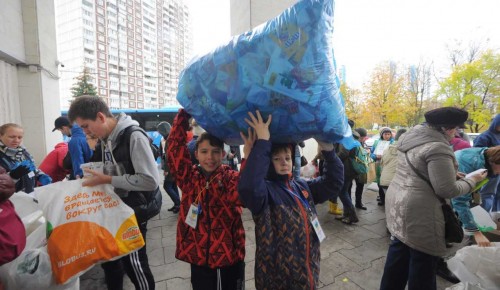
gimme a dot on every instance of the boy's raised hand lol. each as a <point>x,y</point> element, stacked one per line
<point>260,127</point>
<point>248,142</point>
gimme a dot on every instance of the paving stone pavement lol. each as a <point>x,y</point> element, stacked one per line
<point>352,256</point>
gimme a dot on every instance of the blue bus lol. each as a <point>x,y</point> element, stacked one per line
<point>148,118</point>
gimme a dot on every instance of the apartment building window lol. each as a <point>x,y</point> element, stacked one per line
<point>87,3</point>
<point>87,13</point>
<point>103,92</point>
<point>102,65</point>
<point>102,83</point>
<point>102,73</point>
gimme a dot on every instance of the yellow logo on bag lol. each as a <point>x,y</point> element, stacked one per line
<point>131,233</point>
<point>128,237</point>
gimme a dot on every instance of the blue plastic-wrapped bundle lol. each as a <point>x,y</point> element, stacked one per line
<point>284,67</point>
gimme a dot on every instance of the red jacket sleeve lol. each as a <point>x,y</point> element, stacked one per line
<point>179,160</point>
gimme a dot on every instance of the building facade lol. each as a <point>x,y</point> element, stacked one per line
<point>28,72</point>
<point>133,49</point>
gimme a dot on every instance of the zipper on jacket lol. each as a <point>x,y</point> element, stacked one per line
<point>306,219</point>
<point>208,221</point>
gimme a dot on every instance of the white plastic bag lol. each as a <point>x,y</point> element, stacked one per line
<point>483,219</point>
<point>32,269</point>
<point>477,265</point>
<point>465,286</point>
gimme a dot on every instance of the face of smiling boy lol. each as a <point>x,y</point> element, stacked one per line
<point>210,157</point>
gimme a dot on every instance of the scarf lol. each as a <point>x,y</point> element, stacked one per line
<point>16,154</point>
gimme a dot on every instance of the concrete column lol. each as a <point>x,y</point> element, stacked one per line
<point>37,78</point>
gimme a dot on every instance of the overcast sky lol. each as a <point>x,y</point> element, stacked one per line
<point>368,32</point>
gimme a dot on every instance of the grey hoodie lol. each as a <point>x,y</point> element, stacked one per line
<point>412,209</point>
<point>146,177</point>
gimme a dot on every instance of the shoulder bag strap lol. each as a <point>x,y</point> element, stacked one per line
<point>421,176</point>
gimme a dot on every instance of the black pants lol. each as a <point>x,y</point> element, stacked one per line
<point>359,192</point>
<point>381,191</point>
<point>135,265</point>
<point>172,191</point>
<point>231,277</point>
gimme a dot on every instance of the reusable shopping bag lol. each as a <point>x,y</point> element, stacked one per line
<point>284,67</point>
<point>86,225</point>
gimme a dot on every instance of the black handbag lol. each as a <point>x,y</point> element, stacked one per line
<point>452,225</point>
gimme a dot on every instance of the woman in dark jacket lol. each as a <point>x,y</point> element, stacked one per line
<point>17,161</point>
<point>287,231</point>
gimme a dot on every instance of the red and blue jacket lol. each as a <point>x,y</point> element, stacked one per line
<point>288,249</point>
<point>219,237</point>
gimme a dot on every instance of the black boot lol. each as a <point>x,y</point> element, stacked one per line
<point>445,273</point>
<point>351,216</point>
<point>361,206</point>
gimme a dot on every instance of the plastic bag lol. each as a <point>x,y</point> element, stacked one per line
<point>371,175</point>
<point>308,171</point>
<point>483,219</point>
<point>32,269</point>
<point>284,67</point>
<point>86,225</point>
<point>465,286</point>
<point>477,265</point>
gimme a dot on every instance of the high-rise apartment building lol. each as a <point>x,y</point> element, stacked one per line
<point>133,49</point>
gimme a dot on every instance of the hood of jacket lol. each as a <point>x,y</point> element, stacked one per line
<point>494,124</point>
<point>393,148</point>
<point>419,135</point>
<point>124,121</point>
<point>77,131</point>
<point>61,145</point>
<point>471,159</point>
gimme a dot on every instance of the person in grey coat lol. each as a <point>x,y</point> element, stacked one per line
<point>413,209</point>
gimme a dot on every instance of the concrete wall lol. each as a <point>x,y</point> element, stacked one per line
<point>28,64</point>
<point>247,14</point>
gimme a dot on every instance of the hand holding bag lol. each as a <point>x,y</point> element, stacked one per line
<point>453,227</point>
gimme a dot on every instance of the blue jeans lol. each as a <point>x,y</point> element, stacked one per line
<point>490,195</point>
<point>406,265</point>
<point>345,194</point>
<point>172,191</point>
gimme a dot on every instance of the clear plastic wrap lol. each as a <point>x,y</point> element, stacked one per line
<point>284,67</point>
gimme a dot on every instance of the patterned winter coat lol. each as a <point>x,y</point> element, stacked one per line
<point>469,160</point>
<point>412,208</point>
<point>288,251</point>
<point>219,237</point>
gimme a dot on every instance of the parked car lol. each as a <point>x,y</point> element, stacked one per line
<point>472,136</point>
